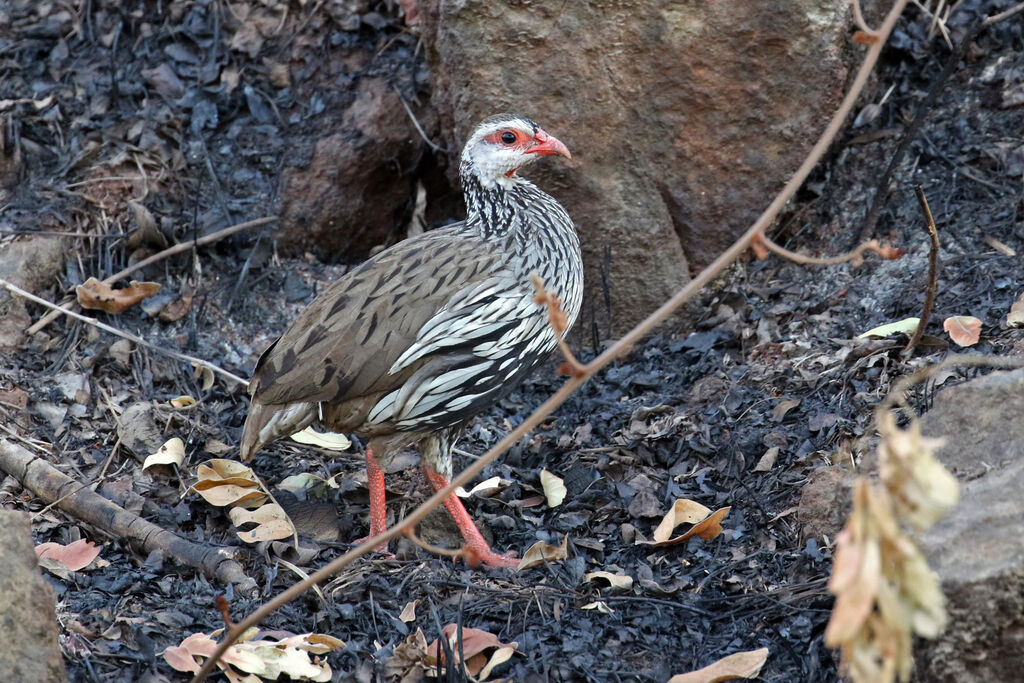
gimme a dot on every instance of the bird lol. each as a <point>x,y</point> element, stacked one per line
<point>407,348</point>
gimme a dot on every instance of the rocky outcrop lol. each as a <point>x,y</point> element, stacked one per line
<point>683,118</point>
<point>978,550</point>
<point>354,188</point>
<point>28,626</point>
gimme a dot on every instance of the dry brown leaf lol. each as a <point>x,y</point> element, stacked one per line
<point>272,523</point>
<point>964,330</point>
<point>409,612</point>
<point>73,556</point>
<point>171,453</point>
<point>554,488</point>
<point>1016,316</point>
<point>706,524</point>
<point>541,552</point>
<point>783,407</point>
<point>475,644</point>
<point>615,581</point>
<point>263,659</point>
<point>767,461</point>
<point>204,373</point>
<point>228,482</point>
<point>96,295</point>
<point>738,665</point>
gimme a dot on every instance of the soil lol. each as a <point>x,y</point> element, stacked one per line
<point>769,360</point>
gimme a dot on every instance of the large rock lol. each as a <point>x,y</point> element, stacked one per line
<point>978,550</point>
<point>683,119</point>
<point>355,188</point>
<point>29,650</point>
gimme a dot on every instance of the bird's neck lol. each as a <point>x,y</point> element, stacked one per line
<point>492,205</point>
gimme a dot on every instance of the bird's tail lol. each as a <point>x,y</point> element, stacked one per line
<point>269,422</point>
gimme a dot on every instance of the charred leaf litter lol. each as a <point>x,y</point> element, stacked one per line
<point>688,414</point>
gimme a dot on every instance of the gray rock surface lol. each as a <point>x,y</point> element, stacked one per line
<point>29,650</point>
<point>683,119</point>
<point>978,550</point>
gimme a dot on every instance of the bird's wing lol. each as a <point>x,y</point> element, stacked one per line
<point>467,353</point>
<point>347,342</point>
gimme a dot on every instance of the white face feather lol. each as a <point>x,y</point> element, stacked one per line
<point>495,160</point>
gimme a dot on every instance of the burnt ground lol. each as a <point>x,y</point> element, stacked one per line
<point>688,414</point>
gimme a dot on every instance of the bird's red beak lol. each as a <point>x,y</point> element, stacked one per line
<point>548,144</point>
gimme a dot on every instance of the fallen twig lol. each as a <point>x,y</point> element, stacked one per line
<point>50,485</point>
<point>170,251</point>
<point>618,348</point>
<point>121,333</point>
<point>856,256</point>
<point>933,271</point>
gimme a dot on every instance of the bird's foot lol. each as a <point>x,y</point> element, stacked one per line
<point>476,555</point>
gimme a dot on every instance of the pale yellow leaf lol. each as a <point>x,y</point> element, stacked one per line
<point>738,665</point>
<point>204,373</point>
<point>600,606</point>
<point>171,453</point>
<point>964,330</point>
<point>906,326</point>
<point>484,489</point>
<point>554,488</point>
<point>328,440</point>
<point>183,401</point>
<point>541,552</point>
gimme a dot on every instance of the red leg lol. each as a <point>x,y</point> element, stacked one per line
<point>378,509</point>
<point>474,540</point>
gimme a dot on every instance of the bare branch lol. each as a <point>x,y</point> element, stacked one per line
<point>933,272</point>
<point>121,333</point>
<point>856,256</point>
<point>170,251</point>
<point>620,347</point>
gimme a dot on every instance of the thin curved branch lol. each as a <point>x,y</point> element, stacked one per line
<point>620,347</point>
<point>170,251</point>
<point>121,333</point>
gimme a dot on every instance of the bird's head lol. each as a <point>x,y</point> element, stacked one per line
<point>503,144</point>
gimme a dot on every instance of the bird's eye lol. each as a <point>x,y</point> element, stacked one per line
<point>508,137</point>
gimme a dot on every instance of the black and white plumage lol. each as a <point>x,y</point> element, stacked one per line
<point>408,347</point>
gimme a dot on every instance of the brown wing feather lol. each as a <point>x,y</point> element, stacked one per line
<point>342,345</point>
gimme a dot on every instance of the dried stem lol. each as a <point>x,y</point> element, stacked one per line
<point>170,251</point>
<point>120,333</point>
<point>558,321</point>
<point>856,256</point>
<point>619,348</point>
<point>435,549</point>
<point>933,271</point>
